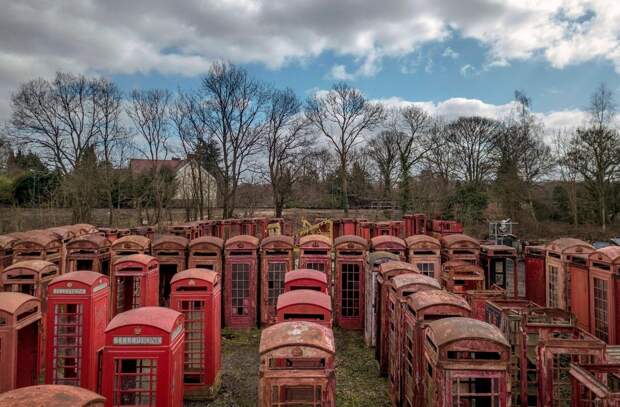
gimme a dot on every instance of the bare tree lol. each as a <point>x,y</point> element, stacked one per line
<point>383,150</point>
<point>413,143</point>
<point>234,117</point>
<point>560,146</point>
<point>602,107</point>
<point>342,115</point>
<point>472,143</point>
<point>439,159</point>
<point>148,110</point>
<point>288,144</point>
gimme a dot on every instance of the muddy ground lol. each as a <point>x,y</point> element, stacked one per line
<point>357,374</point>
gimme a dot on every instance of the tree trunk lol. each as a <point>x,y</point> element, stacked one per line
<point>344,183</point>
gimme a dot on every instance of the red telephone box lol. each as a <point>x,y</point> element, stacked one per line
<point>557,275</point>
<point>64,233</point>
<point>206,253</point>
<point>478,300</point>
<point>579,288</point>
<point>421,308</point>
<point>467,362</point>
<point>50,395</point>
<point>349,288</point>
<point>135,283</point>
<point>146,231</point>
<point>185,230</point>
<point>240,280</point>
<point>460,247</point>
<point>171,253</point>
<point>400,287</point>
<point>382,229</point>
<point>305,305</point>
<point>391,244</point>
<point>604,295</point>
<point>425,254</point>
<point>196,294</point>
<point>30,277</point>
<point>77,314</point>
<point>39,245</point>
<point>386,272</point>
<point>461,276</point>
<point>20,316</point>
<point>297,365</point>
<point>6,251</point>
<point>305,279</point>
<point>348,226</point>
<point>364,229</point>
<point>143,358</point>
<point>81,229</point>
<point>88,253</point>
<point>276,260</point>
<point>315,252</point>
<point>373,261</point>
<point>130,244</point>
<point>535,275</point>
<point>500,266</point>
<point>593,385</point>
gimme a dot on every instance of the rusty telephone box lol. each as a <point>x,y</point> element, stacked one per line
<point>51,395</point>
<point>400,287</point>
<point>391,244</point>
<point>171,253</point>
<point>77,314</point>
<point>276,261</point>
<point>206,253</point>
<point>557,275</point>
<point>373,261</point>
<point>604,294</point>
<point>128,245</point>
<point>143,358</point>
<point>305,305</point>
<point>30,277</point>
<point>421,308</point>
<point>535,274</point>
<point>424,252</point>
<point>466,362</point>
<point>134,282</point>
<point>240,279</point>
<point>297,365</point>
<point>88,253</point>
<point>460,247</point>
<point>6,251</point>
<point>595,385</point>
<point>315,252</point>
<point>20,318</point>
<point>579,287</point>
<point>196,293</point>
<point>386,272</point>
<point>350,281</point>
<point>305,279</point>
<point>478,300</point>
<point>500,268</point>
<point>39,245</point>
<point>459,276</point>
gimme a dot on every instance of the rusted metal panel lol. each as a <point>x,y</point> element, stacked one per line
<point>500,266</point>
<point>579,288</point>
<point>78,305</point>
<point>315,252</point>
<point>557,274</point>
<point>145,343</point>
<point>20,319</point>
<point>372,293</point>
<point>466,361</point>
<point>350,281</point>
<point>171,252</point>
<point>241,280</point>
<point>304,305</point>
<point>128,245</point>
<point>425,253</point>
<point>134,282</point>
<point>276,261</point>
<point>196,293</point>
<point>460,276</point>
<point>535,274</point>
<point>595,385</point>
<point>460,247</point>
<point>89,253</point>
<point>297,365</point>
<point>49,395</point>
<point>305,279</point>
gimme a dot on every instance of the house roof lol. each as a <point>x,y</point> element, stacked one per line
<point>140,166</point>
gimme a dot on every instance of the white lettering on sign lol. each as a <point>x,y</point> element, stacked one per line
<point>100,287</point>
<point>71,291</point>
<point>137,340</point>
<point>176,332</point>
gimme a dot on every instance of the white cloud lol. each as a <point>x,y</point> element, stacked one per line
<point>450,53</point>
<point>339,73</point>
<point>468,71</point>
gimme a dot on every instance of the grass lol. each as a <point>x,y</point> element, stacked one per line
<point>357,374</point>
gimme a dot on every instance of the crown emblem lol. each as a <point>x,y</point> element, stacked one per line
<point>137,330</point>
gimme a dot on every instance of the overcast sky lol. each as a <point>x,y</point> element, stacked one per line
<point>452,56</point>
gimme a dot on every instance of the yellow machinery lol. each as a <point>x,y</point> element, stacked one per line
<point>324,227</point>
